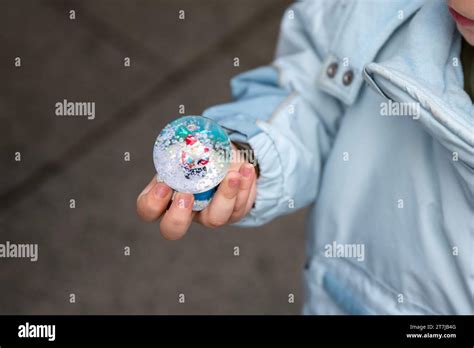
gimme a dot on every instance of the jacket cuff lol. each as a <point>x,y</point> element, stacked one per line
<point>269,184</point>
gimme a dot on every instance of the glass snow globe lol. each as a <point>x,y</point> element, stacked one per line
<point>192,154</point>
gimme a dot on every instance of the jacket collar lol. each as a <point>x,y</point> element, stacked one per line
<point>427,69</point>
<point>358,40</point>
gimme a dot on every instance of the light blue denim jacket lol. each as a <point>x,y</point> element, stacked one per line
<point>399,188</point>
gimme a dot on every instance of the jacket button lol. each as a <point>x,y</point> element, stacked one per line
<point>347,77</point>
<point>332,70</point>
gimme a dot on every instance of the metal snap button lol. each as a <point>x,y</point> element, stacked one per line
<point>348,77</point>
<point>332,70</point>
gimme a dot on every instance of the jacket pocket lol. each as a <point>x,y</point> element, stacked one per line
<point>341,286</point>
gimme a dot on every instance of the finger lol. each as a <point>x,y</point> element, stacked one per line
<point>177,219</point>
<point>153,200</point>
<point>247,171</point>
<point>218,212</point>
<point>148,187</point>
<point>252,197</point>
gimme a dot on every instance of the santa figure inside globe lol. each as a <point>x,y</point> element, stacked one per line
<point>194,157</point>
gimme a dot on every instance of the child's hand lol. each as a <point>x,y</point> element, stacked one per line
<point>232,201</point>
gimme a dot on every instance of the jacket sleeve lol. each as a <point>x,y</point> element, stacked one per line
<point>287,120</point>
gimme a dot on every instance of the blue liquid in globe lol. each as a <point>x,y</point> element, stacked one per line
<point>192,154</point>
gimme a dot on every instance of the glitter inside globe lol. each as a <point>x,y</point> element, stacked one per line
<point>192,154</point>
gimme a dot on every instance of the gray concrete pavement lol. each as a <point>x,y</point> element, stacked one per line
<point>82,249</point>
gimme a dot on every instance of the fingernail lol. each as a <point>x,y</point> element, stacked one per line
<point>234,182</point>
<point>161,190</point>
<point>247,170</point>
<point>183,201</point>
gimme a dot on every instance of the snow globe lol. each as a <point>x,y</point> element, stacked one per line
<point>192,154</point>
